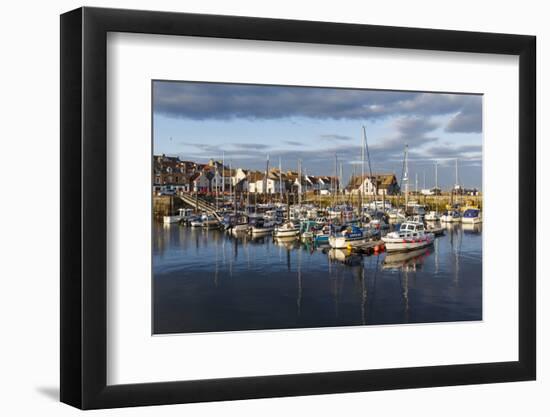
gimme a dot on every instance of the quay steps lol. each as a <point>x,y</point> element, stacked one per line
<point>201,204</point>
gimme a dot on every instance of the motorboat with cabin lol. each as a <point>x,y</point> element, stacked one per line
<point>410,236</point>
<point>471,216</point>
<point>183,215</point>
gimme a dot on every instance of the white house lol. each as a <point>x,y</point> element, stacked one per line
<point>199,182</point>
<point>239,174</point>
<point>385,184</point>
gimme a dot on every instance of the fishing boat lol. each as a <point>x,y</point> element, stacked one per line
<point>411,235</point>
<point>286,230</point>
<point>432,216</point>
<point>471,216</point>
<point>450,216</point>
<point>350,236</point>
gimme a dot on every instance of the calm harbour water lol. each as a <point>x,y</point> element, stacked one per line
<point>208,280</point>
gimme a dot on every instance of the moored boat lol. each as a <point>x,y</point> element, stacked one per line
<point>308,229</point>
<point>321,237</point>
<point>432,216</point>
<point>471,216</point>
<point>262,228</point>
<point>183,215</point>
<point>350,236</point>
<point>450,216</point>
<point>286,230</point>
<point>209,221</point>
<point>411,236</point>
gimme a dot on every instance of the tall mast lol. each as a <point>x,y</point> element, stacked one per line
<point>280,181</point>
<point>416,182</point>
<point>436,175</point>
<point>406,176</point>
<point>223,173</point>
<point>456,173</point>
<point>335,186</point>
<point>362,189</point>
<point>216,177</point>
<point>265,176</point>
<point>340,179</point>
<point>230,180</point>
<point>247,189</point>
<point>336,179</point>
<point>366,146</point>
<point>231,189</point>
<point>299,182</point>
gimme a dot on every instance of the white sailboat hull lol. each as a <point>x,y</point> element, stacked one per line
<point>262,230</point>
<point>400,244</point>
<point>286,233</point>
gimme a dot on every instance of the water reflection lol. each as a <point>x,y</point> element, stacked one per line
<point>409,261</point>
<point>207,280</point>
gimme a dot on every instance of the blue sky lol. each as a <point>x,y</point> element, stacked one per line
<point>198,121</point>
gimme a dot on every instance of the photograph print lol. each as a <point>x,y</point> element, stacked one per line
<point>286,207</point>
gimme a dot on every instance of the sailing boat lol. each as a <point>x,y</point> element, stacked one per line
<point>288,229</point>
<point>452,216</point>
<point>433,216</point>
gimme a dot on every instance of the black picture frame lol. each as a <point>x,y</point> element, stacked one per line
<point>84,207</point>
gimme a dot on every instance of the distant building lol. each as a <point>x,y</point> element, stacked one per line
<point>376,184</point>
<point>170,174</point>
<point>200,182</point>
<point>431,191</point>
